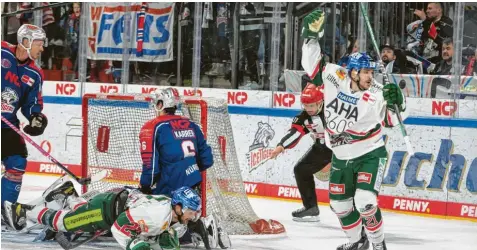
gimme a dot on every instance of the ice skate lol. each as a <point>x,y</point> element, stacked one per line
<point>199,233</point>
<point>307,215</point>
<point>15,214</point>
<point>362,244</point>
<point>380,246</point>
<point>61,193</point>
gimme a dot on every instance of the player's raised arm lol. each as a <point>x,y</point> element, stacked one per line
<point>312,59</point>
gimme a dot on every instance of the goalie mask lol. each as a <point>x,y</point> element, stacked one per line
<point>169,98</point>
<point>31,33</point>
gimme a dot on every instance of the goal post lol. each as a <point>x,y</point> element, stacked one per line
<point>111,126</point>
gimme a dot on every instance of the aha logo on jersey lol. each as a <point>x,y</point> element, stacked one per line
<point>9,98</point>
<point>260,151</point>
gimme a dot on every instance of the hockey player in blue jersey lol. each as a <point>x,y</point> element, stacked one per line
<point>22,81</point>
<point>173,148</point>
<point>174,154</point>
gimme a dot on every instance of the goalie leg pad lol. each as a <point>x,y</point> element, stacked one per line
<point>349,218</point>
<point>367,205</point>
<point>12,179</point>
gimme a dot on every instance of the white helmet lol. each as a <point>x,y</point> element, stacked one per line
<point>169,97</point>
<point>32,33</point>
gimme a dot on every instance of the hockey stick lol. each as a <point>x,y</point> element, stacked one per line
<point>386,79</point>
<point>66,244</point>
<point>82,181</point>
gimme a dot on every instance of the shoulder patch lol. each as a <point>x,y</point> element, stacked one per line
<point>341,73</point>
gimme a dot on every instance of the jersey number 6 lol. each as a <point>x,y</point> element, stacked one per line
<point>188,148</point>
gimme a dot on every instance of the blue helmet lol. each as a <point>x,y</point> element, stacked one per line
<point>360,61</point>
<point>187,198</point>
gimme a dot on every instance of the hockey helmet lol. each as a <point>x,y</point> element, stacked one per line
<point>31,33</point>
<point>188,199</point>
<point>312,94</point>
<point>360,61</point>
<point>169,98</point>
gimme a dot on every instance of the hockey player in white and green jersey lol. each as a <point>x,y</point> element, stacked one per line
<point>356,110</point>
<point>137,221</point>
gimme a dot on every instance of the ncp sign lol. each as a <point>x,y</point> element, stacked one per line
<point>150,25</point>
<point>283,99</point>
<point>67,89</point>
<point>238,97</point>
<point>445,108</point>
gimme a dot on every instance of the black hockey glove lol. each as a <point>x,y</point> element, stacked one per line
<point>145,189</point>
<point>38,123</point>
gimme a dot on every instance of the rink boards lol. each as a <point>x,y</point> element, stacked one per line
<point>439,180</point>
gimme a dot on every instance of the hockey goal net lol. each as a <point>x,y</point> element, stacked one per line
<point>111,126</point>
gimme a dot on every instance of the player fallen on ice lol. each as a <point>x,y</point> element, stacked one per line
<point>137,221</point>
<point>22,80</point>
<point>174,154</point>
<point>308,121</point>
<point>357,108</point>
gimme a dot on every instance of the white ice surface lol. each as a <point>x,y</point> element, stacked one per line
<point>402,231</point>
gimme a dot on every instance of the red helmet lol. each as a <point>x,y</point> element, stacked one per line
<point>311,94</point>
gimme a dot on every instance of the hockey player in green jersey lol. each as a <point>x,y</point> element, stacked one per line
<point>356,110</point>
<point>137,221</point>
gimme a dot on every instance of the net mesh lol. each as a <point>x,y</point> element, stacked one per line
<point>112,140</point>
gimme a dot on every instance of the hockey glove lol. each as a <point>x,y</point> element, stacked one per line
<point>38,123</point>
<point>169,240</point>
<point>393,95</point>
<point>313,25</point>
<point>145,189</point>
<point>138,244</point>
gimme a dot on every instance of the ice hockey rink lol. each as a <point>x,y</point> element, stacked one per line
<point>402,231</point>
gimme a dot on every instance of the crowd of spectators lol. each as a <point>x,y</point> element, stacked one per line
<point>428,47</point>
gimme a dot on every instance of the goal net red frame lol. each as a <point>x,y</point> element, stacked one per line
<point>111,126</point>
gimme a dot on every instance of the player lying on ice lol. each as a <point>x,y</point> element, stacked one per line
<point>137,221</point>
<point>174,153</point>
<point>356,110</point>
